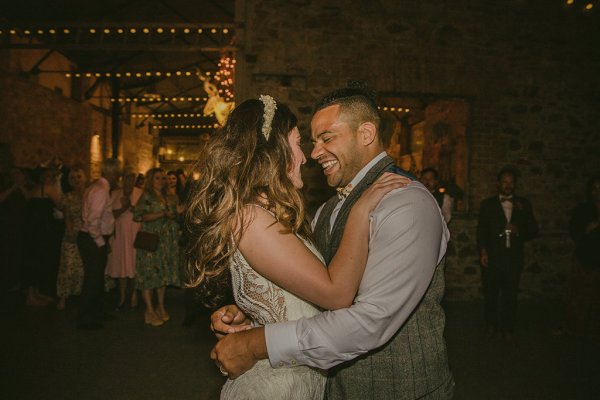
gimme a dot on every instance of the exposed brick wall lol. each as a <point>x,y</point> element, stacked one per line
<point>38,123</point>
<point>138,147</point>
<point>528,68</point>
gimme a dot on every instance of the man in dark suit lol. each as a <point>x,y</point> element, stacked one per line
<point>506,222</point>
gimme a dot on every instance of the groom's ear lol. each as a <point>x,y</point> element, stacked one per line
<point>367,133</point>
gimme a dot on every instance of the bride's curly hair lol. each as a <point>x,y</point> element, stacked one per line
<point>238,167</point>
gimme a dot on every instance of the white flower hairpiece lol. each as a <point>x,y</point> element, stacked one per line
<point>270,106</point>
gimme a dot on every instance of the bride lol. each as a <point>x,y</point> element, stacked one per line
<point>247,221</point>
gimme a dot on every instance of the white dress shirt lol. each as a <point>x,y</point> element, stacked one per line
<point>447,207</point>
<point>98,219</point>
<point>407,240</point>
<point>507,206</point>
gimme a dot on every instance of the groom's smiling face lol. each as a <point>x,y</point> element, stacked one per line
<point>336,147</point>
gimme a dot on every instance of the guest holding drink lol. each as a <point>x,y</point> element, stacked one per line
<point>506,222</point>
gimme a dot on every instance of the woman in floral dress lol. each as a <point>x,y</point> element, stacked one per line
<point>70,272</point>
<point>157,269</point>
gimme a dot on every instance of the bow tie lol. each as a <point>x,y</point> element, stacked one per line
<point>342,193</point>
<point>503,199</point>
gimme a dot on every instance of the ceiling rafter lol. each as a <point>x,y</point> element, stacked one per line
<point>166,35</point>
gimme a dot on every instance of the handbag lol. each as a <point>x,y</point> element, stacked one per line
<point>146,241</point>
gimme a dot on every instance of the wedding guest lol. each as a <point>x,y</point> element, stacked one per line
<point>70,272</point>
<point>16,184</point>
<point>182,177</point>
<point>155,270</point>
<point>429,178</point>
<point>194,308</point>
<point>121,259</point>
<point>13,206</point>
<point>140,181</point>
<point>174,186</point>
<point>583,305</point>
<point>98,224</point>
<point>38,240</point>
<point>57,174</point>
<point>506,222</point>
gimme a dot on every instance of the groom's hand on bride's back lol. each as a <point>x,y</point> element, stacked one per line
<point>228,319</point>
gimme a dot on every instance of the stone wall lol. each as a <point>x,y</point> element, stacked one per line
<point>528,69</point>
<point>139,147</point>
<point>38,124</point>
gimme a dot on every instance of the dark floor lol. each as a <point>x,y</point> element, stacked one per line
<point>43,356</point>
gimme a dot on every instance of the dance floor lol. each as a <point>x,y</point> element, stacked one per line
<point>45,357</point>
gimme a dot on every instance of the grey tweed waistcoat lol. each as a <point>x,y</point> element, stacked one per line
<point>414,363</point>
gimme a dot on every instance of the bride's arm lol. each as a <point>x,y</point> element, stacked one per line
<point>283,259</point>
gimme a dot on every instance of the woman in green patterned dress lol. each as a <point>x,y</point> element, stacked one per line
<point>157,269</point>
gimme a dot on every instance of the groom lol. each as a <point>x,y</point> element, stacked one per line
<point>389,344</point>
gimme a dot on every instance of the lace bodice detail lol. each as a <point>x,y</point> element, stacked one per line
<point>261,299</point>
<point>266,303</point>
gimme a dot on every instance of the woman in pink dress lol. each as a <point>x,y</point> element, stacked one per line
<point>121,259</point>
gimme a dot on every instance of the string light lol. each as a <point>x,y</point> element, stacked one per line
<point>120,30</point>
<point>587,7</point>
<point>128,74</point>
<point>157,99</point>
<point>166,115</point>
<point>193,126</point>
<point>224,76</point>
<point>394,109</point>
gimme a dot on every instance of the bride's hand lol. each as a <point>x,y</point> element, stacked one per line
<point>228,319</point>
<point>387,182</point>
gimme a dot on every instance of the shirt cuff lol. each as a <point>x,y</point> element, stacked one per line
<point>99,241</point>
<point>282,344</point>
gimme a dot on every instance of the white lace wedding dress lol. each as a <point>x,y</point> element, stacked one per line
<point>267,303</point>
